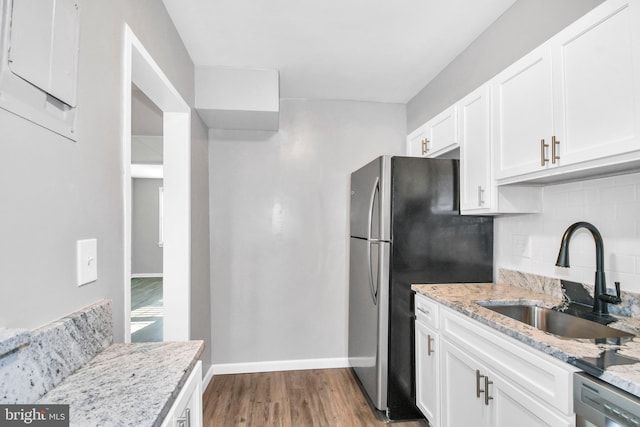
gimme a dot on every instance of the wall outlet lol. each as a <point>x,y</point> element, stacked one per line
<point>87,261</point>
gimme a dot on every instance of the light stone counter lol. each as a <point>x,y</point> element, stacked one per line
<point>73,361</point>
<point>127,384</point>
<point>616,361</point>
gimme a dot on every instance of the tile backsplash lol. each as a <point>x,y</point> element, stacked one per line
<point>530,243</point>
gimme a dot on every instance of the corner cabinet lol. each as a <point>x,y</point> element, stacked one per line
<point>187,408</point>
<point>481,377</point>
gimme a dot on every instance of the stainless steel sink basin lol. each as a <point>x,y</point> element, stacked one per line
<point>556,322</point>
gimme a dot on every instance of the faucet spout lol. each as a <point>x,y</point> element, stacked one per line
<point>600,288</point>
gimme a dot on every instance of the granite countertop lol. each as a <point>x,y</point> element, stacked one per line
<point>616,361</point>
<point>127,384</point>
<point>12,339</point>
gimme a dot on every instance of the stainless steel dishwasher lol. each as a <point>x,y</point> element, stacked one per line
<point>599,404</point>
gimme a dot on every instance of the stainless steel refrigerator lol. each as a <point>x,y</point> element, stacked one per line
<point>405,228</point>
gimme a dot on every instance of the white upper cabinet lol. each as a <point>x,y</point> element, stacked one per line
<point>442,132</point>
<point>436,137</point>
<point>523,115</point>
<point>417,142</point>
<point>571,108</point>
<point>479,193</point>
<point>596,83</point>
<point>475,151</point>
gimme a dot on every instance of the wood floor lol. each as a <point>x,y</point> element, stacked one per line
<point>313,398</point>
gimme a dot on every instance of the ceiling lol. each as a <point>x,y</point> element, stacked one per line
<point>371,50</point>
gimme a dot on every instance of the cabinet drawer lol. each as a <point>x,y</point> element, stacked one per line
<point>427,311</point>
<point>541,375</point>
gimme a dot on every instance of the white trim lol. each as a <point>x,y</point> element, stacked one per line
<point>145,275</point>
<point>139,170</point>
<point>207,379</point>
<point>141,69</point>
<point>279,365</point>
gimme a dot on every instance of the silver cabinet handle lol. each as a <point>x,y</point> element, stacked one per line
<point>480,195</point>
<point>487,398</point>
<point>554,149</point>
<point>429,349</point>
<point>422,310</point>
<point>185,421</point>
<point>543,152</point>
<point>425,146</point>
<point>478,377</point>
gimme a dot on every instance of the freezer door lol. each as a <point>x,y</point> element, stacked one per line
<point>368,316</point>
<point>370,206</point>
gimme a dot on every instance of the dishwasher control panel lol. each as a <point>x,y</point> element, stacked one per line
<point>602,404</point>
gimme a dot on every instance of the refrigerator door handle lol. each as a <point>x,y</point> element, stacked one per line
<point>374,192</point>
<point>372,288</point>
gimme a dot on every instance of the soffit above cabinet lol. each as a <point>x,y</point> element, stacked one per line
<point>238,99</point>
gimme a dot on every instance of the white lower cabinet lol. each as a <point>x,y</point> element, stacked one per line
<point>475,395</point>
<point>186,411</point>
<point>427,368</point>
<point>461,405</point>
<point>485,378</point>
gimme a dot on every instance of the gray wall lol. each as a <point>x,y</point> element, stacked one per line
<point>527,24</point>
<point>146,254</point>
<point>279,233</point>
<point>54,191</point>
<point>200,260</point>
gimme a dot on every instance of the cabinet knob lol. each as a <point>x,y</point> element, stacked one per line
<point>480,195</point>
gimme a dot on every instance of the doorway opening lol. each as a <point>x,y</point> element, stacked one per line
<point>166,317</point>
<point>147,199</point>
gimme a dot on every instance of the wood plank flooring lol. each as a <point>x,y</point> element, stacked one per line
<point>313,398</point>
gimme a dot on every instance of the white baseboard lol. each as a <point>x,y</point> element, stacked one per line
<point>207,379</point>
<point>145,275</point>
<point>279,365</point>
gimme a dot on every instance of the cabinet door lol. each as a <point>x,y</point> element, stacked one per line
<point>512,407</point>
<point>427,373</point>
<point>475,150</point>
<point>522,115</point>
<point>417,142</point>
<point>442,132</point>
<point>461,406</point>
<point>596,64</point>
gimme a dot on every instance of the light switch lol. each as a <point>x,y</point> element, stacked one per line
<point>87,260</point>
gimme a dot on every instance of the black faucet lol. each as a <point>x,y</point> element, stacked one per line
<point>600,297</point>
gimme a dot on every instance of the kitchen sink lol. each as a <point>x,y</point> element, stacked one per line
<point>556,322</point>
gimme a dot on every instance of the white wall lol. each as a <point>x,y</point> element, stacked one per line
<point>530,242</point>
<point>279,232</point>
<point>54,191</point>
